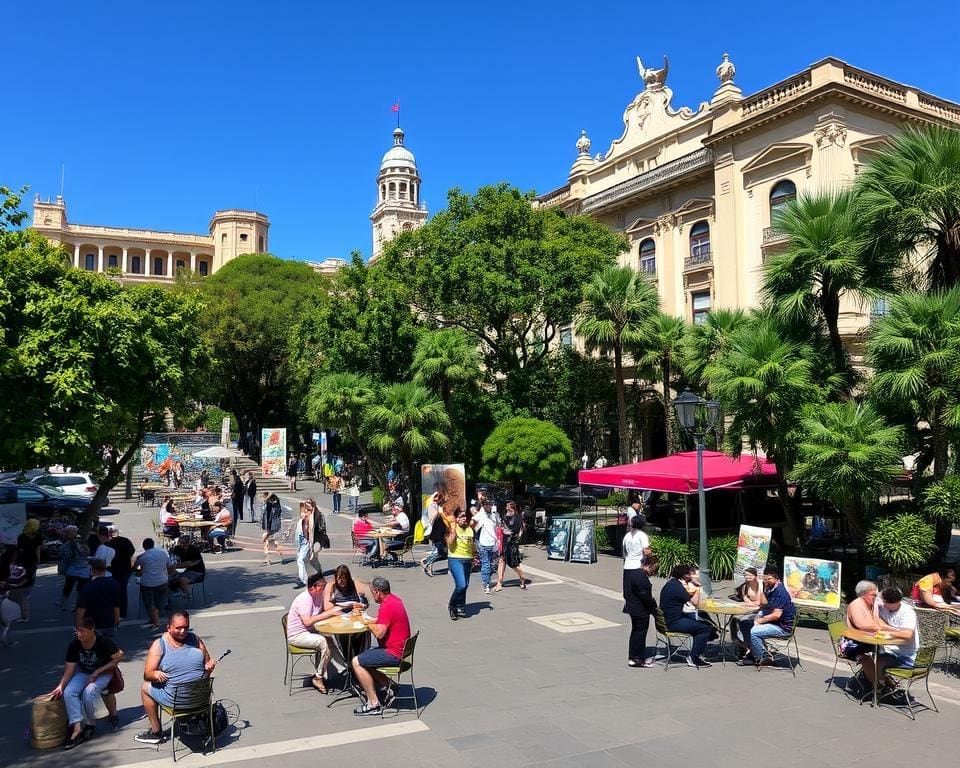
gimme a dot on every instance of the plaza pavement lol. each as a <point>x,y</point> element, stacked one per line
<point>497,688</point>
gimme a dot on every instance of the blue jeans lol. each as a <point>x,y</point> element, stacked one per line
<point>700,631</point>
<point>759,632</point>
<point>336,502</point>
<point>459,568</point>
<point>488,558</point>
<point>80,698</point>
<point>353,503</point>
<point>439,552</point>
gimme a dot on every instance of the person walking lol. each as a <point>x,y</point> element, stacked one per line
<point>638,604</point>
<point>250,489</point>
<point>237,496</point>
<point>292,473</point>
<point>271,519</point>
<point>153,565</point>
<point>436,533</point>
<point>122,564</point>
<point>510,549</point>
<point>309,534</point>
<point>460,551</point>
<point>74,564</point>
<point>486,520</point>
<point>100,600</point>
<point>336,488</point>
<point>28,557</point>
<point>353,496</point>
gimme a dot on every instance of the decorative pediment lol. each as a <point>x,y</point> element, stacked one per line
<point>865,150</point>
<point>775,160</point>
<point>694,209</point>
<point>644,222</point>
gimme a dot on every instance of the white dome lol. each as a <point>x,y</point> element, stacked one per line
<point>398,156</point>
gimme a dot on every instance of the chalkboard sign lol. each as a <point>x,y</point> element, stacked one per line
<point>558,538</point>
<point>584,548</point>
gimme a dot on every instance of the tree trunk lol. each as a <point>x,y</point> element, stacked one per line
<point>938,435</point>
<point>447,396</point>
<point>670,432</point>
<point>790,514</point>
<point>621,404</point>
<point>115,471</point>
<point>830,306</point>
<point>856,524</point>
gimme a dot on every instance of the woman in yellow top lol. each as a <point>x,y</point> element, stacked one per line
<point>459,559</point>
<point>928,592</point>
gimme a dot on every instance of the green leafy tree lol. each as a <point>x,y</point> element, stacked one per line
<point>661,350</point>
<point>527,451</point>
<point>910,197</point>
<point>826,257</point>
<point>903,541</point>
<point>915,353</point>
<point>252,306</point>
<point>704,342</point>
<point>445,359</point>
<point>618,304</point>
<point>409,421</point>
<point>848,453</point>
<point>765,381</point>
<point>507,273</point>
<point>341,401</point>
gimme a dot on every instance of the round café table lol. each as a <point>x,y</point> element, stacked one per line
<point>876,639</point>
<point>382,535</point>
<point>198,529</point>
<point>717,608</point>
<point>352,631</point>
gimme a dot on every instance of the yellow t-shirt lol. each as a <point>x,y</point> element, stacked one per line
<point>463,544</point>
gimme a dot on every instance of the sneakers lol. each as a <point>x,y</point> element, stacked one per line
<point>462,612</point>
<point>149,737</point>
<point>388,697</point>
<point>366,709</point>
<point>697,663</point>
<point>746,661</point>
<point>486,589</point>
<point>646,663</point>
<point>633,662</point>
<point>453,615</point>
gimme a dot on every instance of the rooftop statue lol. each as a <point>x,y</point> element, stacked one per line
<point>655,79</point>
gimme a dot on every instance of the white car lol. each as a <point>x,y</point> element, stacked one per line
<point>69,483</point>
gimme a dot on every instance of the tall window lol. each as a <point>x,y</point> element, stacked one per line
<point>204,269</point>
<point>701,306</point>
<point>781,194</point>
<point>112,260</point>
<point>136,265</point>
<point>90,261</point>
<point>181,266</point>
<point>260,244</point>
<point>648,257</point>
<point>700,243</point>
<point>566,336</point>
<point>158,266</point>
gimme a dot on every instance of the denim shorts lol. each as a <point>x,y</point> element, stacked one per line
<point>901,660</point>
<point>377,657</point>
<point>154,597</point>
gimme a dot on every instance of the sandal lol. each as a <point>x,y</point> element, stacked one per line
<point>114,721</point>
<point>317,682</point>
<point>74,741</point>
<point>498,588</point>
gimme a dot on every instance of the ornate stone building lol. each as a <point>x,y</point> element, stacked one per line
<point>399,208</point>
<point>695,190</point>
<point>139,255</point>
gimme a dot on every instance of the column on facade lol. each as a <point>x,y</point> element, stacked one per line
<point>169,263</point>
<point>729,260</point>
<point>76,255</point>
<point>123,262</point>
<point>100,258</point>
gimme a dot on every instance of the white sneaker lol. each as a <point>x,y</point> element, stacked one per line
<point>486,589</point>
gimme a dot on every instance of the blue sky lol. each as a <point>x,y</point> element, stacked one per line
<point>163,113</point>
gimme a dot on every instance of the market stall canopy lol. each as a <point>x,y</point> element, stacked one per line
<point>678,473</point>
<point>218,452</point>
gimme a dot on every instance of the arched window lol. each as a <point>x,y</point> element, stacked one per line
<point>136,265</point>
<point>204,269</point>
<point>383,192</point>
<point>700,243</point>
<point>90,261</point>
<point>158,266</point>
<point>393,190</point>
<point>403,190</point>
<point>181,266</point>
<point>781,194</point>
<point>648,257</point>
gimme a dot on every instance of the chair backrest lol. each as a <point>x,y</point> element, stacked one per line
<point>192,696</point>
<point>659,621</point>
<point>408,544</point>
<point>925,657</point>
<point>836,628</point>
<point>932,625</point>
<point>409,647</point>
<point>283,623</point>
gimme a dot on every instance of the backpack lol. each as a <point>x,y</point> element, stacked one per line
<point>199,725</point>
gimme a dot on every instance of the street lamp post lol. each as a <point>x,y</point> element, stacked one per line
<point>698,417</point>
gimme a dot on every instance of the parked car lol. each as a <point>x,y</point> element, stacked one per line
<point>563,496</point>
<point>21,475</point>
<point>54,510</point>
<point>70,483</point>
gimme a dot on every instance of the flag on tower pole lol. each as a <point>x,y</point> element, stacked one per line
<point>396,108</point>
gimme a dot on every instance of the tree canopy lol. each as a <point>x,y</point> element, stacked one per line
<point>528,451</point>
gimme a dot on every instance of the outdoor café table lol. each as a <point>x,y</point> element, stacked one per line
<point>352,630</point>
<point>874,639</point>
<point>725,608</point>
<point>382,535</point>
<point>198,529</point>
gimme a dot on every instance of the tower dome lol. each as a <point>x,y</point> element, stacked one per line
<point>398,156</point>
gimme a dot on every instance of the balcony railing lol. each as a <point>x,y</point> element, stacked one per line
<point>696,260</point>
<point>773,235</point>
<point>701,158</point>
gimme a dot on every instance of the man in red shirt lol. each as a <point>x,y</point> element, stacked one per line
<point>392,629</point>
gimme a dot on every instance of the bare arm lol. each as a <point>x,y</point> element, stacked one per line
<point>151,668</point>
<point>860,617</point>
<point>68,669</point>
<point>208,663</point>
<point>108,667</point>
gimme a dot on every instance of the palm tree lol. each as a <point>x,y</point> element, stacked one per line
<point>915,353</point>
<point>660,350</point>
<point>409,420</point>
<point>445,359</point>
<point>765,381</point>
<point>825,257</point>
<point>910,195</point>
<point>617,304</point>
<point>847,454</point>
<point>704,342</point>
<point>340,401</point>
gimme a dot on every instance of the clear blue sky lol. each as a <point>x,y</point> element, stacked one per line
<point>165,112</point>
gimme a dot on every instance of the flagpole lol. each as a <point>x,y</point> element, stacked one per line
<point>398,111</point>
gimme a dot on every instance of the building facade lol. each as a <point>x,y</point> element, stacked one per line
<point>695,190</point>
<point>399,208</point>
<point>145,255</point>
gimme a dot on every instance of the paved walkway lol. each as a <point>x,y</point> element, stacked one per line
<point>509,686</point>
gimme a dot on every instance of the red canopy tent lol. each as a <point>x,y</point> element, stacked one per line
<point>678,473</point>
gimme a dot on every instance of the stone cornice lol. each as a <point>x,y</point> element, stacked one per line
<point>77,231</point>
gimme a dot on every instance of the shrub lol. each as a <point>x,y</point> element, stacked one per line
<point>378,495</point>
<point>600,538</point>
<point>527,450</point>
<point>617,499</point>
<point>722,554</point>
<point>902,542</point>
<point>672,552</point>
<point>941,500</point>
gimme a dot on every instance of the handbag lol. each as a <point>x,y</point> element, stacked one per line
<point>116,681</point>
<point>324,540</point>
